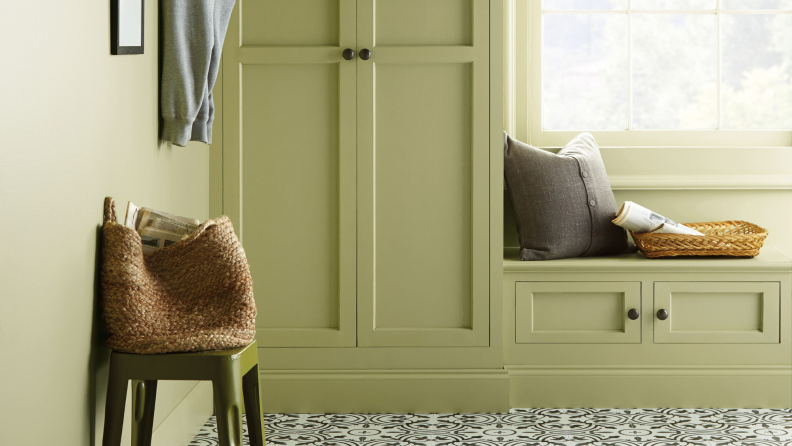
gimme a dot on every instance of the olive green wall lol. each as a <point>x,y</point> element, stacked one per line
<point>76,125</point>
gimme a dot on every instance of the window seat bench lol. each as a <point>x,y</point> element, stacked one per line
<point>627,331</point>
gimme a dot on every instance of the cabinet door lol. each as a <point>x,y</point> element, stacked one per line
<point>423,180</point>
<point>289,165</point>
<point>577,312</point>
<point>717,312</point>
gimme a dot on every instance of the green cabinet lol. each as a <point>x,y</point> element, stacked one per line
<point>423,178</point>
<point>360,189</point>
<point>723,339</point>
<point>717,312</point>
<point>577,312</point>
<point>289,166</point>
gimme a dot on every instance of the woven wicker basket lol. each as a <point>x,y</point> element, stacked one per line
<point>722,238</point>
<point>194,295</point>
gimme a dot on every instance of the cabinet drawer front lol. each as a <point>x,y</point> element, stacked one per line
<point>717,312</point>
<point>577,312</point>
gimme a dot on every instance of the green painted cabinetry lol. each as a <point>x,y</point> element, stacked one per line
<point>718,312</point>
<point>423,173</point>
<point>290,165</point>
<point>577,312</point>
<point>361,186</point>
<point>366,187</point>
<point>368,194</point>
<point>709,332</point>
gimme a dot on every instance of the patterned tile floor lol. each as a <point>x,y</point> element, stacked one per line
<point>530,427</point>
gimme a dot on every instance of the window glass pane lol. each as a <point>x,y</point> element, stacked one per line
<point>583,5</point>
<point>672,5</point>
<point>757,71</point>
<point>675,71</point>
<point>585,72</point>
<point>756,4</point>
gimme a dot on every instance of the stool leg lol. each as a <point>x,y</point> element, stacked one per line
<point>145,395</point>
<point>114,406</point>
<point>226,388</point>
<point>250,390</point>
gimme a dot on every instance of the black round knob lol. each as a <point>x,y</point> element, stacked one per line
<point>365,54</point>
<point>662,314</point>
<point>349,54</point>
<point>633,314</point>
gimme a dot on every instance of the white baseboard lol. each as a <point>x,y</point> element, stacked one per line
<point>183,423</point>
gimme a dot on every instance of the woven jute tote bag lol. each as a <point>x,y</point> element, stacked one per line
<point>194,295</point>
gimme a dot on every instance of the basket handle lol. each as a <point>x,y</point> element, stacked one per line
<point>109,211</point>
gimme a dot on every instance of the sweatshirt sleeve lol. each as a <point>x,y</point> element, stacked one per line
<point>188,38</point>
<point>202,127</point>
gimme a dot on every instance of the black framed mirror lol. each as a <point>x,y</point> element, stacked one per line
<point>126,26</point>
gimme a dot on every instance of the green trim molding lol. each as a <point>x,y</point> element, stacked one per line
<point>385,391</point>
<point>656,386</point>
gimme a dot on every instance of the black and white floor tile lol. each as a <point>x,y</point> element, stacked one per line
<point>529,427</point>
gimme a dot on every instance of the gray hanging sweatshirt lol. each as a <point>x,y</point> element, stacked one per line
<point>192,36</point>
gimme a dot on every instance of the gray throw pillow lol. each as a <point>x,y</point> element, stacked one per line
<point>563,203</point>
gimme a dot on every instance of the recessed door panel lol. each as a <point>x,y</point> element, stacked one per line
<point>289,169</point>
<point>291,195</point>
<point>577,312</point>
<point>423,195</point>
<point>717,313</point>
<point>290,22</point>
<point>423,182</point>
<point>422,22</point>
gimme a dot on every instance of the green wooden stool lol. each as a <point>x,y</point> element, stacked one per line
<point>229,370</point>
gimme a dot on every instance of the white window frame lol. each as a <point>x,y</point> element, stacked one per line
<point>523,94</point>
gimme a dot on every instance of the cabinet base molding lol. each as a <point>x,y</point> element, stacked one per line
<point>651,386</point>
<point>385,391</point>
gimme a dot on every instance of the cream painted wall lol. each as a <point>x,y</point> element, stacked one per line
<point>76,125</point>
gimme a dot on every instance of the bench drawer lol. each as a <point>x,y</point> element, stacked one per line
<point>717,312</point>
<point>577,312</point>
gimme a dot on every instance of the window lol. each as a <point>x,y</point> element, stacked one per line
<point>653,72</point>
